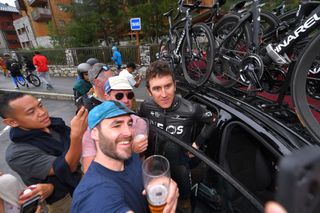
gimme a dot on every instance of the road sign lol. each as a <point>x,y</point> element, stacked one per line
<point>135,24</point>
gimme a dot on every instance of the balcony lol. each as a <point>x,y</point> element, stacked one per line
<point>38,3</point>
<point>20,5</point>
<point>41,14</point>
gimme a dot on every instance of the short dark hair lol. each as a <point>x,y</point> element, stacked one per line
<point>5,100</point>
<point>131,64</point>
<point>157,69</point>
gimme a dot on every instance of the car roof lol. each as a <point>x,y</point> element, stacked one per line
<point>281,136</point>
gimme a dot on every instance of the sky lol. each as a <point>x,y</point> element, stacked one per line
<point>10,2</point>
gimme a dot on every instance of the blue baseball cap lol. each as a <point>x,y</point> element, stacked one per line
<point>105,110</point>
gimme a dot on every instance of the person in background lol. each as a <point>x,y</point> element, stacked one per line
<point>15,69</point>
<point>92,61</point>
<point>127,73</point>
<point>116,57</point>
<point>114,182</point>
<point>13,193</point>
<point>3,66</point>
<point>43,148</point>
<point>177,116</point>
<point>83,85</point>
<point>28,64</point>
<point>41,62</point>
<point>116,88</point>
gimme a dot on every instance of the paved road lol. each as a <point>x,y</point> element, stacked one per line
<point>57,108</point>
<point>62,87</point>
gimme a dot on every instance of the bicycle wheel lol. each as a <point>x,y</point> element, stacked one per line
<point>34,80</point>
<point>224,73</point>
<point>196,59</point>
<point>268,24</point>
<point>306,86</point>
<point>21,80</point>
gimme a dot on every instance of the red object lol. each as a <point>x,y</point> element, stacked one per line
<point>41,62</point>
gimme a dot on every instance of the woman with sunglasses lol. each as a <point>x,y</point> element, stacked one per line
<point>116,88</point>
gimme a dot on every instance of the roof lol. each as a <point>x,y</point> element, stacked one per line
<point>8,8</point>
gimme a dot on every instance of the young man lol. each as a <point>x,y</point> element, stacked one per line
<point>119,89</point>
<point>41,62</point>
<point>82,86</point>
<point>116,57</point>
<point>177,116</point>
<point>127,73</point>
<point>15,69</point>
<point>44,149</point>
<point>114,182</point>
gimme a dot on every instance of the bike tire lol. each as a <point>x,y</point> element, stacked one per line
<point>225,74</point>
<point>269,24</point>
<point>197,64</point>
<point>34,80</point>
<point>21,80</point>
<point>306,107</point>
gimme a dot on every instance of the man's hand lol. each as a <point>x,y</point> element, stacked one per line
<point>172,199</point>
<point>273,207</point>
<point>140,146</point>
<point>44,190</point>
<point>79,124</point>
<point>194,145</point>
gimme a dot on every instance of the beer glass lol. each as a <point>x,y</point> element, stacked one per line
<point>141,129</point>
<point>156,179</point>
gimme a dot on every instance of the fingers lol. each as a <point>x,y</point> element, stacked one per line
<point>273,207</point>
<point>172,198</point>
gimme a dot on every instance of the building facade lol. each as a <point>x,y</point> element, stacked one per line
<point>8,35</point>
<point>32,28</point>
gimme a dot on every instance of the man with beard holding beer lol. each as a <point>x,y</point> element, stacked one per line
<point>113,182</point>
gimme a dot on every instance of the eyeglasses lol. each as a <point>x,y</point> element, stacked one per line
<point>120,95</point>
<point>103,68</point>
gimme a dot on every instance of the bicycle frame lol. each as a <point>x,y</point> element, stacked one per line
<point>311,22</point>
<point>254,15</point>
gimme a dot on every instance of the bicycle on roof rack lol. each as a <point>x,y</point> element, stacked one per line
<point>189,45</point>
<point>240,60</point>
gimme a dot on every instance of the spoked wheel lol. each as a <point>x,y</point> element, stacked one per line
<point>197,58</point>
<point>225,73</point>
<point>21,80</point>
<point>305,88</point>
<point>34,80</point>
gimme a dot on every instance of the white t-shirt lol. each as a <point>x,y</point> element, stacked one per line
<point>125,73</point>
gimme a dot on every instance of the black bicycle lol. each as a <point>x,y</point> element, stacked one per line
<point>190,45</point>
<point>241,59</point>
<point>28,77</point>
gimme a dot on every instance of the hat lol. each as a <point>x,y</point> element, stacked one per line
<point>96,69</point>
<point>117,83</point>
<point>105,110</point>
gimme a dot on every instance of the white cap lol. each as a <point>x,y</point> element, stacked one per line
<point>117,83</point>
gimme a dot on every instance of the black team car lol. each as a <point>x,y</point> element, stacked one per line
<point>236,169</point>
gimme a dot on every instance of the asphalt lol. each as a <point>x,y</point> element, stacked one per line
<point>62,89</point>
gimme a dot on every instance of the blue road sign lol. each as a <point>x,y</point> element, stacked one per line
<point>135,24</point>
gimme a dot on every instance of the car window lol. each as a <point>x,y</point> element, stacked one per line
<point>213,189</point>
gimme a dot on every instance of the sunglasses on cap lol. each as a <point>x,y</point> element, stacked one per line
<point>120,95</point>
<point>103,68</point>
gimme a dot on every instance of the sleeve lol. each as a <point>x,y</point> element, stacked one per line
<point>131,80</point>
<point>208,118</point>
<point>109,193</point>
<point>26,156</point>
<point>88,145</point>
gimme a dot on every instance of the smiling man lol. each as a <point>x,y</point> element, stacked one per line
<point>44,149</point>
<point>113,182</point>
<point>178,117</point>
